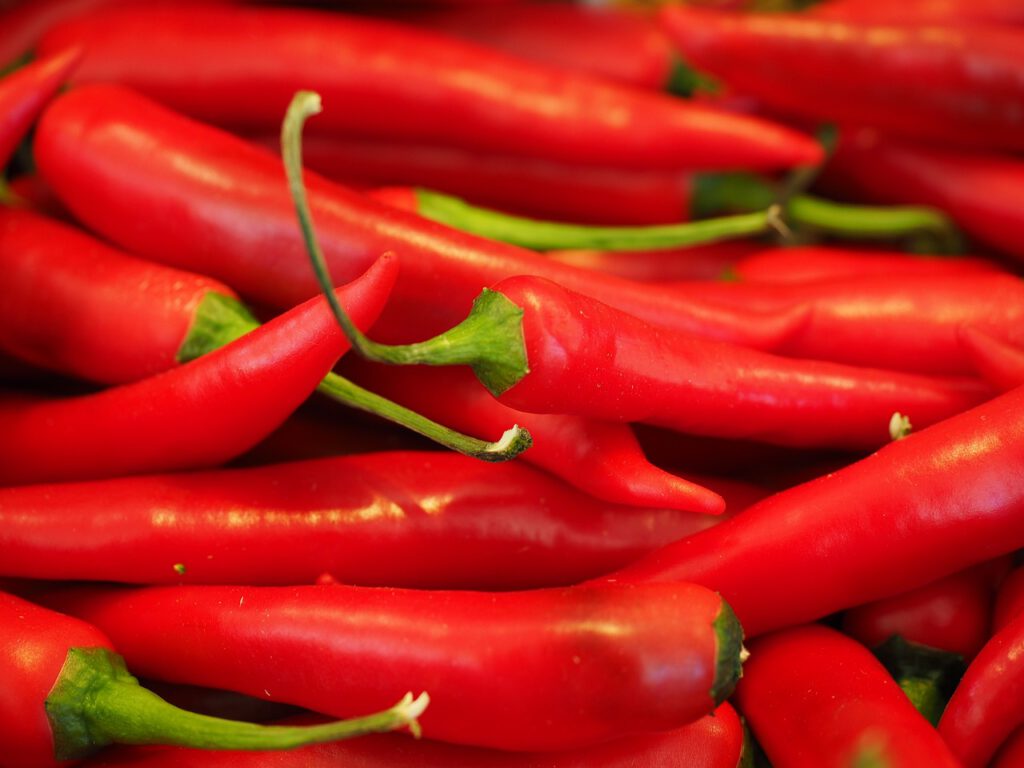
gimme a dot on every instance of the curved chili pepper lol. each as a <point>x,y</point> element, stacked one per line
<point>952,614</point>
<point>1009,600</point>
<point>977,190</point>
<point>714,741</point>
<point>601,458</point>
<point>952,83</point>
<point>65,694</point>
<point>814,697</point>
<point>934,503</point>
<point>411,519</point>
<point>821,263</point>
<point>197,415</point>
<point>234,221</point>
<point>985,709</point>
<point>391,80</point>
<point>531,670</point>
<point>923,11</point>
<point>25,92</point>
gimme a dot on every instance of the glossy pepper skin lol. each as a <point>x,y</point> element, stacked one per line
<point>586,358</point>
<point>397,518</point>
<point>530,671</point>
<point>601,458</point>
<point>816,698</point>
<point>976,189</point>
<point>714,741</point>
<point>197,415</point>
<point>240,67</point>
<point>955,84</point>
<point>235,221</point>
<point>952,614</point>
<point>923,11</point>
<point>81,307</point>
<point>928,505</point>
<point>985,708</point>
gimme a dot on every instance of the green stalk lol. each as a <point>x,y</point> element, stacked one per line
<point>220,319</point>
<point>551,235</point>
<point>96,702</point>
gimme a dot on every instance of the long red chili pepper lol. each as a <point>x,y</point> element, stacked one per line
<point>25,92</point>
<point>936,502</point>
<point>529,670</point>
<point>714,741</point>
<point>411,519</point>
<point>197,415</point>
<point>65,694</point>
<point>951,83</point>
<point>952,614</point>
<point>985,708</point>
<point>977,190</point>
<point>815,698</point>
<point>234,221</point>
<point>923,11</point>
<point>391,80</point>
<point>601,458</point>
<point>699,262</point>
<point>806,264</point>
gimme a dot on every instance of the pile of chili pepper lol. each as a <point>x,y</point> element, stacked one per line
<point>597,384</point>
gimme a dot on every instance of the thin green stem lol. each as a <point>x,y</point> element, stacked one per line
<point>551,235</point>
<point>96,702</point>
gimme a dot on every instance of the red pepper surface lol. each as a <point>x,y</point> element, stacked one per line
<point>951,83</point>
<point>412,519</point>
<point>234,221</point>
<point>24,93</point>
<point>714,741</point>
<point>998,362</point>
<point>1009,600</point>
<point>977,190</point>
<point>239,67</point>
<point>600,458</point>
<point>531,670</point>
<point>985,708</point>
<point>952,614</point>
<point>699,262</point>
<point>579,356</point>
<point>915,324</point>
<point>197,415</point>
<point>81,307</point>
<point>815,698</point>
<point>1011,754</point>
<point>615,43</point>
<point>65,694</point>
<point>806,264</point>
<point>923,11</point>
<point>928,505</point>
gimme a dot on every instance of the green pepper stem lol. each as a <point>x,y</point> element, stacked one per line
<point>96,702</point>
<point>221,319</point>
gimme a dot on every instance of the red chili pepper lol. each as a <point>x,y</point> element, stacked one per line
<point>814,697</point>
<point>951,83</point>
<point>806,264</point>
<point>616,43</point>
<point>65,694</point>
<point>25,92</point>
<point>601,458</point>
<point>411,519</point>
<point>997,361</point>
<point>977,190</point>
<point>714,741</point>
<point>952,614</point>
<point>234,221</point>
<point>1009,600</point>
<point>530,670</point>
<point>1011,754</point>
<point>985,709</point>
<point>197,415</point>
<point>79,306</point>
<point>544,349</point>
<point>395,81</point>
<point>923,11</point>
<point>912,325</point>
<point>936,502</point>
<point>698,262</point>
